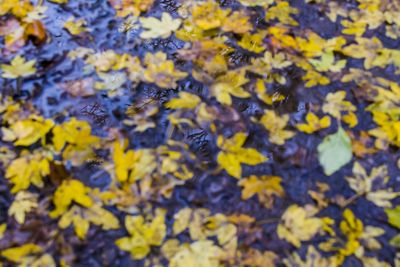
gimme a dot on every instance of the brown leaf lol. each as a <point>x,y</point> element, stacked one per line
<point>82,88</point>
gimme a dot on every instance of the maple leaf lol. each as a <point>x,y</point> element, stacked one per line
<point>29,131</point>
<point>29,168</point>
<point>68,192</point>
<point>76,27</point>
<point>18,68</point>
<point>327,63</point>
<point>372,50</point>
<point>103,61</point>
<point>238,22</point>
<point>131,165</point>
<point>253,42</point>
<point>202,253</point>
<point>232,154</point>
<point>161,71</point>
<point>131,7</point>
<point>143,234</point>
<point>142,115</point>
<point>73,138</point>
<point>264,186</point>
<point>358,237</point>
<point>81,218</point>
<point>172,158</point>
<point>371,185</point>
<point>388,131</point>
<point>314,78</point>
<point>112,82</point>
<point>336,106</point>
<point>208,15</point>
<point>256,258</point>
<point>314,123</point>
<point>201,225</point>
<point>276,124</point>
<point>230,84</point>
<point>298,224</point>
<point>312,258</point>
<point>23,203</point>
<point>163,28</point>
<point>282,12</point>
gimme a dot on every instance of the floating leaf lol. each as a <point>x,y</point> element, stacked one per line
<point>335,151</point>
<point>155,28</point>
<point>19,68</point>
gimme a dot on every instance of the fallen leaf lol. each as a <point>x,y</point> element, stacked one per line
<point>335,151</point>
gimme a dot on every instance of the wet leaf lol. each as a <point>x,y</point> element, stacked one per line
<point>335,151</point>
<point>18,67</point>
<point>155,28</point>
<point>298,224</point>
<point>23,203</point>
<point>232,154</point>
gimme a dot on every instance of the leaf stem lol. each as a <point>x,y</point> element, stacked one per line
<point>19,85</point>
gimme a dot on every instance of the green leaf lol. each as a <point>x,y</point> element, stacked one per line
<point>394,216</point>
<point>335,151</point>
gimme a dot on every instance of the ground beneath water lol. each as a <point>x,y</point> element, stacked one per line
<point>253,71</point>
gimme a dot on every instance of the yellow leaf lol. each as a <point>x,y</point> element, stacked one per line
<point>276,124</point>
<point>372,185</point>
<point>29,168</point>
<point>327,63</point>
<point>23,203</point>
<point>233,154</point>
<point>161,71</point>
<point>29,131</point>
<point>238,22</point>
<point>314,123</point>
<point>181,220</point>
<point>59,1</point>
<point>75,27</point>
<point>74,139</point>
<point>313,258</point>
<point>201,253</point>
<point>143,234</point>
<point>314,78</point>
<point>3,228</point>
<point>163,28</point>
<point>131,7</point>
<point>298,225</point>
<point>253,42</point>
<point>208,15</point>
<point>17,254</point>
<point>68,192</point>
<point>18,68</point>
<point>335,104</point>
<point>81,218</point>
<point>264,186</point>
<point>282,12</point>
<point>263,3</point>
<point>230,84</point>
<point>185,100</point>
